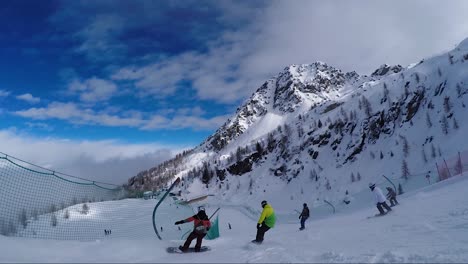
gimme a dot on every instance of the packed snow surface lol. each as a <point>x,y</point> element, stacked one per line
<point>429,225</point>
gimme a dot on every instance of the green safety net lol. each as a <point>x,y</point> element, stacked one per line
<point>214,230</point>
<point>40,203</point>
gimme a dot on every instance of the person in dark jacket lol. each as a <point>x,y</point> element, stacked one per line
<point>304,215</point>
<point>391,196</point>
<point>201,225</point>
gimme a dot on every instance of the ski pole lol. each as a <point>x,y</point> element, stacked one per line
<point>214,213</point>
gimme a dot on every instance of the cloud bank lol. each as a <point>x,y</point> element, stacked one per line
<point>107,161</point>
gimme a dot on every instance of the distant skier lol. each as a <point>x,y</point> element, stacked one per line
<point>391,196</point>
<point>346,199</point>
<point>265,222</point>
<point>379,199</point>
<point>201,226</point>
<point>304,215</point>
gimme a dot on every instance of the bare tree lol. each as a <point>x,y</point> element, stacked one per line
<point>428,120</point>
<point>455,123</point>
<point>444,124</point>
<point>458,167</point>
<point>447,104</point>
<point>367,106</point>
<point>433,151</point>
<point>424,157</point>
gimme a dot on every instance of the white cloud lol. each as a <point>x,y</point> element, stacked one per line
<point>29,98</point>
<point>348,35</point>
<point>107,160</point>
<point>76,114</point>
<point>183,121</point>
<point>100,37</point>
<point>93,89</point>
<point>4,93</point>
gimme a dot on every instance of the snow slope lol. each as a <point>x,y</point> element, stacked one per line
<point>429,225</point>
<point>340,126</point>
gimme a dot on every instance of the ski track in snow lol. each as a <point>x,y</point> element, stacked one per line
<point>431,225</point>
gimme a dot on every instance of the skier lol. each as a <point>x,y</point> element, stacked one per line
<point>346,199</point>
<point>265,222</point>
<point>379,198</point>
<point>304,215</point>
<point>391,196</point>
<point>201,226</point>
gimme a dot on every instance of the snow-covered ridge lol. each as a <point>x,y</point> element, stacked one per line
<point>315,128</point>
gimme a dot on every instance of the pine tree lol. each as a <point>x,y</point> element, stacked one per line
<point>381,155</point>
<point>406,147</point>
<point>405,170</point>
<point>53,220</point>
<point>85,209</point>
<point>400,189</point>
<point>66,215</point>
<point>23,218</point>
<point>372,155</point>
<point>433,151</point>
<point>358,176</point>
<point>259,148</point>
<point>353,179</point>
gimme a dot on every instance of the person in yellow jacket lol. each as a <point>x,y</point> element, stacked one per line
<point>265,222</point>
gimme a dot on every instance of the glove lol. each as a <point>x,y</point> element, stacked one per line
<point>179,222</point>
<point>299,217</point>
<point>259,225</point>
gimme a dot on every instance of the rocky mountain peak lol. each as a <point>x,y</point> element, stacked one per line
<point>386,69</point>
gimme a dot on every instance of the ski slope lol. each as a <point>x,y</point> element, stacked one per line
<point>429,225</point>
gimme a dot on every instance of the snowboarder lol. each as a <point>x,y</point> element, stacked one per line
<point>265,222</point>
<point>346,199</point>
<point>379,199</point>
<point>201,226</point>
<point>391,196</point>
<point>304,215</point>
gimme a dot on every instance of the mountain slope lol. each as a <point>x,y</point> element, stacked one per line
<point>313,132</point>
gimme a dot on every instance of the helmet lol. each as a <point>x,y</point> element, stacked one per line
<point>201,208</point>
<point>264,203</point>
<point>305,204</point>
<point>371,185</point>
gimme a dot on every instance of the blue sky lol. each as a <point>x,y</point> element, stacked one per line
<point>123,80</point>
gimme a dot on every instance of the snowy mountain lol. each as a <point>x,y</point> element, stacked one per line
<point>313,133</point>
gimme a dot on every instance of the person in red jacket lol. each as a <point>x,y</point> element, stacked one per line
<point>201,225</point>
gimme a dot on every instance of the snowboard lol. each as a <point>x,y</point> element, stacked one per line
<point>377,215</point>
<point>190,250</point>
